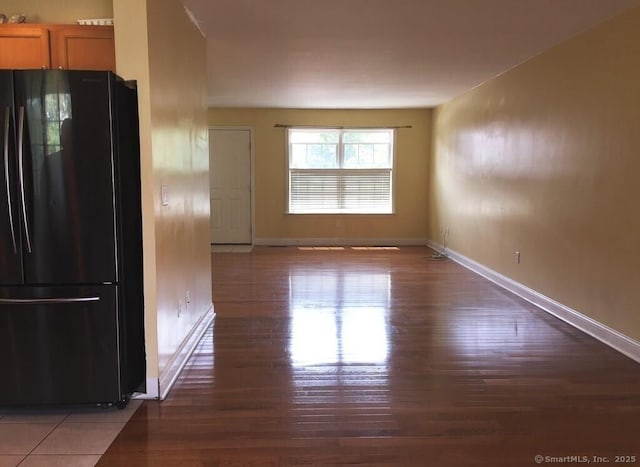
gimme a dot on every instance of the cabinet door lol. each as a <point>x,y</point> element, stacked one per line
<point>80,47</point>
<point>24,46</point>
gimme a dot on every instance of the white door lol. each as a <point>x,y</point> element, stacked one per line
<point>230,178</point>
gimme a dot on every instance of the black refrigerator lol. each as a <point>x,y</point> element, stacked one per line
<point>71,293</point>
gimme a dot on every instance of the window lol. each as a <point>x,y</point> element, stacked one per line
<point>347,171</point>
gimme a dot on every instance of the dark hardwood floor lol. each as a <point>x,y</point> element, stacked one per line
<point>383,357</point>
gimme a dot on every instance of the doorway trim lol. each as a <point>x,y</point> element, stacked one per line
<point>251,170</point>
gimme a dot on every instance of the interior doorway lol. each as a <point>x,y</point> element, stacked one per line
<point>230,182</point>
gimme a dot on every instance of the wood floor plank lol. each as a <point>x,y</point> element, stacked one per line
<point>382,357</point>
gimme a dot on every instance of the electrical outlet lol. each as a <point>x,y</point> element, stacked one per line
<point>445,237</point>
<point>517,257</point>
<point>164,195</point>
<point>187,296</point>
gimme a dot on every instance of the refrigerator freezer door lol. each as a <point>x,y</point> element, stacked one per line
<point>59,345</point>
<point>65,166</point>
<point>10,254</point>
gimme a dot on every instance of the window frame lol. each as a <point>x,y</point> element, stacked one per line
<point>340,159</point>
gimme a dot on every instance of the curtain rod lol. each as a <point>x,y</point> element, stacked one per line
<point>322,127</point>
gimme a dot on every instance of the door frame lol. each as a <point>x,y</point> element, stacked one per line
<point>252,164</point>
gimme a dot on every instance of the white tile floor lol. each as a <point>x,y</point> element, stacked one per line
<point>55,438</point>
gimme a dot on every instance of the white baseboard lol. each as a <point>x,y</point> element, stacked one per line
<point>614,339</point>
<point>153,390</point>
<point>338,241</point>
<point>171,373</point>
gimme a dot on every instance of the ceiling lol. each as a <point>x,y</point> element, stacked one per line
<point>376,53</point>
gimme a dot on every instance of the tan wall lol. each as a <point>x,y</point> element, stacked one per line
<point>177,59</point>
<point>67,11</point>
<point>132,51</point>
<point>545,160</point>
<point>408,224</point>
<point>166,55</point>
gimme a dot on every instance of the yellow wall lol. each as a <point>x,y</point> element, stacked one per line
<point>67,11</point>
<point>545,160</point>
<point>272,225</point>
<point>132,62</point>
<point>166,55</point>
<point>180,144</point>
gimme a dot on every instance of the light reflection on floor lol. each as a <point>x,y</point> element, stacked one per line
<point>354,331</point>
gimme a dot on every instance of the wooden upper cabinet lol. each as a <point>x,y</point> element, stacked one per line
<point>63,46</point>
<point>79,47</point>
<point>24,46</point>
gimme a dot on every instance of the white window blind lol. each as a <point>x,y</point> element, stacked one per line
<point>340,171</point>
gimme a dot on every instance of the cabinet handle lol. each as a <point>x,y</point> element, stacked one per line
<point>6,177</point>
<point>46,301</point>
<point>21,172</point>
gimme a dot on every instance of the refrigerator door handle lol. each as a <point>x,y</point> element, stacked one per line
<point>21,171</point>
<point>7,115</point>
<point>46,301</point>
